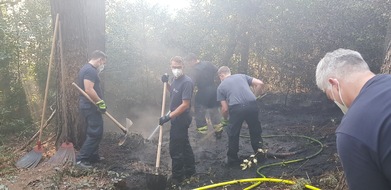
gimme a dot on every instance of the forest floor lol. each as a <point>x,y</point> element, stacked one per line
<point>306,133</point>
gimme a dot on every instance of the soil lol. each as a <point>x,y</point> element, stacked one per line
<point>291,129</point>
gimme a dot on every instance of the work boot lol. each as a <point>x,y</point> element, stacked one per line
<point>97,159</point>
<point>84,164</point>
<point>202,130</point>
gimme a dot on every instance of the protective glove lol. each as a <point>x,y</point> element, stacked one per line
<point>101,106</point>
<point>203,129</point>
<point>224,122</point>
<point>165,78</point>
<point>164,119</point>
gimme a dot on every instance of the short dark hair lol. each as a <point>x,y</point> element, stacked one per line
<point>191,56</point>
<point>177,59</point>
<point>97,54</point>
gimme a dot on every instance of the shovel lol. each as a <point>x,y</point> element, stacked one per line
<point>125,130</point>
<point>156,181</point>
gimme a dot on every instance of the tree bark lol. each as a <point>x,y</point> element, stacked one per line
<point>244,52</point>
<point>386,67</point>
<point>82,26</point>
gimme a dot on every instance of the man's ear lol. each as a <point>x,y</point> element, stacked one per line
<point>333,81</point>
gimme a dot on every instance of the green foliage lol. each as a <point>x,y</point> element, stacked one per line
<point>6,157</point>
<point>282,40</point>
<point>24,36</point>
<point>287,38</point>
<point>9,124</point>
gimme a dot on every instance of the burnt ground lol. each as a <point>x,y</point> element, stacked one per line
<point>286,129</point>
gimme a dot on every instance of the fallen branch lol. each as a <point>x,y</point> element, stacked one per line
<point>37,133</point>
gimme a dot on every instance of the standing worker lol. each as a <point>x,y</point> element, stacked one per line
<point>363,136</point>
<point>181,92</point>
<point>89,81</point>
<point>238,103</point>
<point>204,74</point>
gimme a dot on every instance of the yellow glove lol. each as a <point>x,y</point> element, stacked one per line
<point>224,122</point>
<point>101,106</point>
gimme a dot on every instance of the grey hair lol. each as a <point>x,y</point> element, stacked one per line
<point>224,70</point>
<point>339,64</point>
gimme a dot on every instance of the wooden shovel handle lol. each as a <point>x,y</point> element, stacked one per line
<point>159,146</point>
<point>106,113</point>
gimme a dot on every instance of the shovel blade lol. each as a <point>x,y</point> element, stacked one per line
<point>128,123</point>
<point>123,138</point>
<point>156,182</point>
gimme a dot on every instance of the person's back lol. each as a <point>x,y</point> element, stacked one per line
<point>365,133</point>
<point>238,104</point>
<point>237,88</point>
<point>205,74</point>
<point>363,136</point>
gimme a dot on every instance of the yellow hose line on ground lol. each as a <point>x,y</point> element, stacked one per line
<point>291,161</point>
<point>258,181</point>
<point>253,185</point>
<point>252,180</point>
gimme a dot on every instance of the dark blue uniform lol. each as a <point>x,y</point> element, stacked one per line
<point>183,164</point>
<point>364,137</point>
<point>93,118</point>
<point>203,75</point>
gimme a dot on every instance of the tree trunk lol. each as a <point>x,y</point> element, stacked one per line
<point>244,52</point>
<point>82,26</point>
<point>231,45</point>
<point>386,67</point>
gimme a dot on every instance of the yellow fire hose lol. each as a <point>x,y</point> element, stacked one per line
<point>257,181</point>
<point>252,180</point>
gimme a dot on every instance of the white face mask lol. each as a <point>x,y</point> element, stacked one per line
<point>100,68</point>
<point>177,72</point>
<point>342,106</point>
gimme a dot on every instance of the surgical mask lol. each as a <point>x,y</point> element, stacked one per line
<point>342,106</point>
<point>100,68</point>
<point>177,72</point>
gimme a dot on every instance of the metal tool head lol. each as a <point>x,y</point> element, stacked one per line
<point>154,131</point>
<point>123,138</point>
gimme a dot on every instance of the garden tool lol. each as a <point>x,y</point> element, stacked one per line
<point>66,152</point>
<point>156,181</point>
<point>129,122</point>
<point>32,159</point>
<point>157,127</point>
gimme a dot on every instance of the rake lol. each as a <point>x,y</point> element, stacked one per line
<point>31,159</point>
<point>66,152</point>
